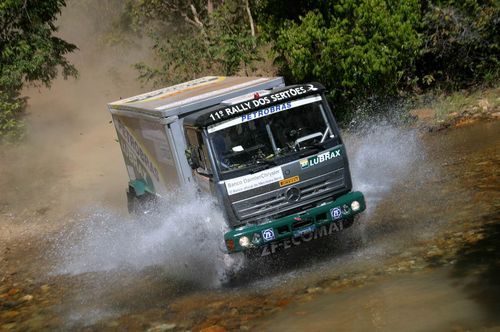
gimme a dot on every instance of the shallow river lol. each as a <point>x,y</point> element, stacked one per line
<point>423,257</point>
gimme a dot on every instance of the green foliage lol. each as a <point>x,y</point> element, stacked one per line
<point>11,128</point>
<point>179,60</point>
<point>196,38</point>
<point>461,44</point>
<point>29,53</point>
<point>358,48</point>
<point>366,48</point>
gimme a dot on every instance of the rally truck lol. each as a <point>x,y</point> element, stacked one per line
<point>271,155</point>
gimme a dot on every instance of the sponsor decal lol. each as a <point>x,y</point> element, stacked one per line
<point>336,213</point>
<point>134,152</point>
<point>288,181</point>
<point>320,232</point>
<point>265,112</point>
<point>252,181</point>
<point>233,110</point>
<point>320,158</point>
<point>304,231</point>
<point>268,234</point>
<point>260,113</point>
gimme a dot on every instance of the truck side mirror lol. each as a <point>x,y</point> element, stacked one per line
<point>192,158</point>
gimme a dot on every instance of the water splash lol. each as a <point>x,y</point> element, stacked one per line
<point>382,156</point>
<point>183,237</point>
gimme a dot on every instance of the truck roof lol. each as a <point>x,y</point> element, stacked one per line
<point>193,95</point>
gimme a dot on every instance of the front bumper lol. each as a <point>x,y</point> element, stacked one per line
<point>294,225</point>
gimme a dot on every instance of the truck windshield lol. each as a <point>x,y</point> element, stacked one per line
<point>266,137</point>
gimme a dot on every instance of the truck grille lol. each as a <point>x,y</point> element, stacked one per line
<point>273,204</point>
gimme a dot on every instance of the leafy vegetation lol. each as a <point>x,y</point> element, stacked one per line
<point>29,53</point>
<point>460,44</point>
<point>197,38</point>
<point>360,49</point>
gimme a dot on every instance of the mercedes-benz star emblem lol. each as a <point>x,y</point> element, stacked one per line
<point>292,194</point>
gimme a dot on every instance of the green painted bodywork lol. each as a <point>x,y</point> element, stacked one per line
<point>140,187</point>
<point>319,216</point>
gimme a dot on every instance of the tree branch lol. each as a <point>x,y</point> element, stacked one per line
<point>195,16</point>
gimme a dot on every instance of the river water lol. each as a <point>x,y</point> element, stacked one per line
<point>459,293</point>
<point>424,256</point>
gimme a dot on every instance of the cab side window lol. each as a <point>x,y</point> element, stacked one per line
<point>198,149</point>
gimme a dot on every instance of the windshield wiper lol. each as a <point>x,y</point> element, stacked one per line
<point>262,164</point>
<point>308,150</point>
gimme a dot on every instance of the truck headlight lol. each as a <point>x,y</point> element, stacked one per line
<point>355,206</point>
<point>244,241</point>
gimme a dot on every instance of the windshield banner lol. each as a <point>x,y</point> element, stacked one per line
<point>262,113</point>
<point>230,111</point>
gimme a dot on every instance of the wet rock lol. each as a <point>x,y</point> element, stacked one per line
<point>7,327</point>
<point>283,302</point>
<point>216,305</point>
<point>312,290</point>
<point>434,253</point>
<point>26,298</point>
<point>423,113</point>
<point>162,327</point>
<point>213,328</point>
<point>9,304</point>
<point>13,292</point>
<point>484,104</point>
<point>113,323</point>
<point>10,315</point>
<point>406,254</point>
<point>4,289</point>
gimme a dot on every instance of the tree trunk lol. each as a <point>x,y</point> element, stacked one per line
<point>210,7</point>
<point>250,18</point>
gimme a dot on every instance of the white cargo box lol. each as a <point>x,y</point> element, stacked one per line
<point>149,126</point>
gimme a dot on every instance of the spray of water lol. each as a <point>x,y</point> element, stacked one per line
<point>382,156</point>
<point>183,237</point>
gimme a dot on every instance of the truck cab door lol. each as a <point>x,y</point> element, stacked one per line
<point>198,160</point>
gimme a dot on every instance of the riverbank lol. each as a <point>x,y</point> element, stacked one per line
<point>461,108</point>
